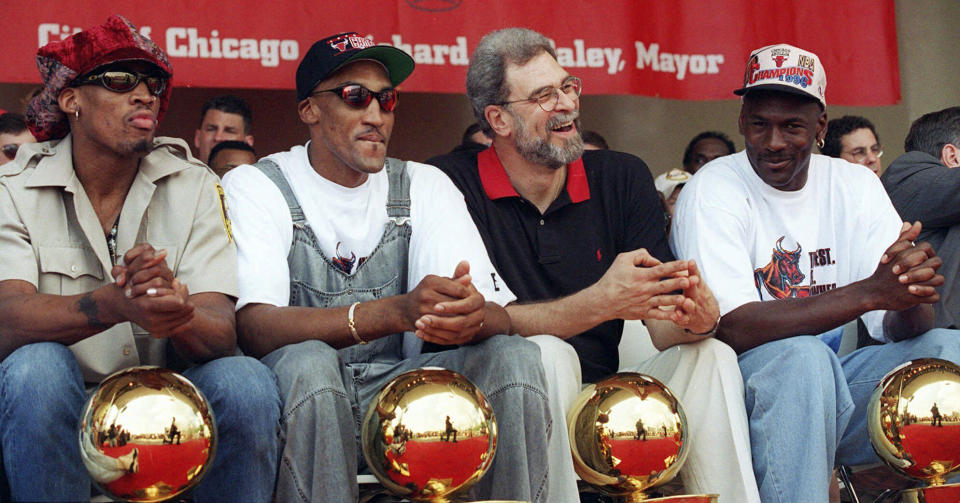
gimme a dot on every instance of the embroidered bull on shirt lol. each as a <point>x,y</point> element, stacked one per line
<point>782,276</point>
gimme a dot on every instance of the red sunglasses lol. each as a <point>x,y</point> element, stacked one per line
<point>358,96</point>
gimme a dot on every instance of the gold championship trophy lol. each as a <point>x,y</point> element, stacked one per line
<point>429,435</point>
<point>147,434</point>
<point>628,434</point>
<point>914,424</point>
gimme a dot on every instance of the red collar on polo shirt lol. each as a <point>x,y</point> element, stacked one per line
<point>497,184</point>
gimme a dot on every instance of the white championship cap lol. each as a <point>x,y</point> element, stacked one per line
<point>785,68</point>
<point>667,182</point>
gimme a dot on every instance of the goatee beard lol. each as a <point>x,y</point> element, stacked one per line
<point>541,151</point>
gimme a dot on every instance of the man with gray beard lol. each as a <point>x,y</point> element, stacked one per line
<point>578,237</point>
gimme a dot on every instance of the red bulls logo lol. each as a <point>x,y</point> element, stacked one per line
<point>782,275</point>
<point>779,55</point>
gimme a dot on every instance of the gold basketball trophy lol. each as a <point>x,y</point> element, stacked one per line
<point>147,434</point>
<point>914,424</point>
<point>429,435</point>
<point>628,434</point>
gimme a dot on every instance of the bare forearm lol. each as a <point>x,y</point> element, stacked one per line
<point>901,325</point>
<point>212,331</point>
<point>564,317</point>
<point>33,317</point>
<point>756,323</point>
<point>263,328</point>
<point>665,334</point>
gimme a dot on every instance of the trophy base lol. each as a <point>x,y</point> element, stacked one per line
<point>681,498</point>
<point>686,498</point>
<point>947,493</point>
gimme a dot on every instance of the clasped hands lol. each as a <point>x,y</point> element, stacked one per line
<point>638,286</point>
<point>153,298</point>
<point>907,273</point>
<point>446,311</point>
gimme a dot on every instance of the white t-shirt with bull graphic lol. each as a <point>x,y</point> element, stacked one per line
<point>753,242</point>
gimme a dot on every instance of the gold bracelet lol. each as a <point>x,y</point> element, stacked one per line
<point>353,325</point>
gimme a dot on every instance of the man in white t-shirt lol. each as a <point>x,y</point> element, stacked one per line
<point>795,245</point>
<point>338,250</point>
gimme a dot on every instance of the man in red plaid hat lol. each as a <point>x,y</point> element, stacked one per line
<point>117,252</point>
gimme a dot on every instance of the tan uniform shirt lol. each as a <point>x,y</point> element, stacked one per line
<point>51,237</point>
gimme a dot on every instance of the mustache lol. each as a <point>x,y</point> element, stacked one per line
<point>559,119</point>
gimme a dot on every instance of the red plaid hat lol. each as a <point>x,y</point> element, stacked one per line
<point>61,62</point>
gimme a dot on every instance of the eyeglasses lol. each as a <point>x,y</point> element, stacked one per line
<point>549,97</point>
<point>121,81</point>
<point>10,150</point>
<point>358,96</point>
<point>861,153</point>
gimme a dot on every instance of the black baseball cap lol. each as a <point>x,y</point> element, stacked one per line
<point>332,53</point>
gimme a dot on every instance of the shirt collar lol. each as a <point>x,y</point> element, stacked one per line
<point>58,171</point>
<point>497,184</point>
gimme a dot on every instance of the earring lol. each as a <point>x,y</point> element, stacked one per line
<point>820,143</point>
<point>76,112</point>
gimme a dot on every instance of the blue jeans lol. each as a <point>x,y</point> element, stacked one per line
<point>807,407</point>
<point>325,398</point>
<point>41,397</point>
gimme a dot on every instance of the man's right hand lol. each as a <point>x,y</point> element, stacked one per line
<point>154,299</point>
<point>637,284</point>
<point>446,311</point>
<point>907,273</point>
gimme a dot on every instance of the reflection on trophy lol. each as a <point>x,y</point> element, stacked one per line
<point>429,435</point>
<point>147,434</point>
<point>628,434</point>
<point>914,424</point>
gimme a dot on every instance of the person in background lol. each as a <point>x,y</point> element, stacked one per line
<point>854,139</point>
<point>222,118</point>
<point>13,134</point>
<point>924,185</point>
<point>475,135</point>
<point>704,148</point>
<point>668,186</point>
<point>229,154</point>
<point>593,141</point>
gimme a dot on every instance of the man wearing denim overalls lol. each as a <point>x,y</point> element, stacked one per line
<point>339,247</point>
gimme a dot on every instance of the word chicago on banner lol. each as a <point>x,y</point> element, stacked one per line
<point>186,42</point>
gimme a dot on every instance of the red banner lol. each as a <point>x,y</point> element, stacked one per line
<point>689,49</point>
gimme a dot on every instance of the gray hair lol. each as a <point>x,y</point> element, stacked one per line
<point>932,131</point>
<point>486,75</point>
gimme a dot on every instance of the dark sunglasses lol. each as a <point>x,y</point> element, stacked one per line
<point>358,96</point>
<point>121,81</point>
<point>10,150</point>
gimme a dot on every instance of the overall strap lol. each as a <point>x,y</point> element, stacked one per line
<point>272,170</point>
<point>398,193</point>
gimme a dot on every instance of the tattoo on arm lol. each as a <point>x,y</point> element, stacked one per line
<point>88,306</point>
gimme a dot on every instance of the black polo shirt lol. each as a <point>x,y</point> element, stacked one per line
<point>609,206</point>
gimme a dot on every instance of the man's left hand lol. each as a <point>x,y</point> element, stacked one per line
<point>456,321</point>
<point>699,311</point>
